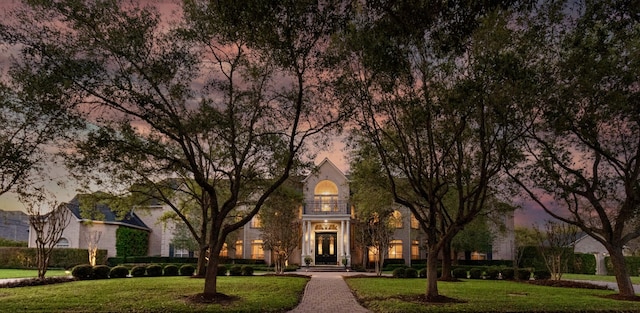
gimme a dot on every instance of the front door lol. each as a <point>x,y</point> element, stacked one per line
<point>326,246</point>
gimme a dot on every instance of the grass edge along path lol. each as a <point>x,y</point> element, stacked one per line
<point>156,294</point>
<point>402,295</point>
<point>26,273</point>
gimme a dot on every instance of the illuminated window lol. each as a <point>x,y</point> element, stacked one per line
<point>257,251</point>
<point>477,256</point>
<point>396,219</point>
<point>415,250</point>
<point>224,252</point>
<point>326,196</point>
<point>414,222</point>
<point>239,249</point>
<point>373,254</point>
<point>395,249</point>
<point>256,222</point>
<point>62,243</point>
<point>326,187</point>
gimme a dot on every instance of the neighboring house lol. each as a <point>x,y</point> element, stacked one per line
<point>14,225</point>
<point>106,222</point>
<point>327,225</point>
<point>587,244</point>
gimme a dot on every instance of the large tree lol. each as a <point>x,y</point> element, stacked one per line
<point>583,155</point>
<point>228,99</point>
<point>444,123</point>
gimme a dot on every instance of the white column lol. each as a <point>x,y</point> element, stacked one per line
<point>348,241</point>
<point>342,251</point>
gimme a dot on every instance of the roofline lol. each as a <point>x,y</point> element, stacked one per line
<point>114,223</point>
<point>326,160</point>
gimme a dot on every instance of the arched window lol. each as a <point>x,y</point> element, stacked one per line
<point>415,224</point>
<point>256,222</point>
<point>62,243</point>
<point>239,250</point>
<point>395,249</point>
<point>326,196</point>
<point>224,252</point>
<point>415,250</point>
<point>396,219</point>
<point>257,252</point>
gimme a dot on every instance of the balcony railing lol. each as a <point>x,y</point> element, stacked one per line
<point>327,207</point>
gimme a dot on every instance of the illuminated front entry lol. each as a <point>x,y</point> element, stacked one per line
<point>326,248</point>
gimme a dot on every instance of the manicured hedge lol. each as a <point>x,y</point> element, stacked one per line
<point>131,241</point>
<point>399,272</point>
<point>187,270</point>
<point>20,257</point>
<point>170,270</point>
<point>633,265</point>
<point>150,260</point>
<point>101,272</point>
<point>119,272</point>
<point>583,263</point>
<point>82,271</point>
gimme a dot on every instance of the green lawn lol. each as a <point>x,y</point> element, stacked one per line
<point>390,295</point>
<point>162,294</point>
<point>19,273</point>
<point>634,279</point>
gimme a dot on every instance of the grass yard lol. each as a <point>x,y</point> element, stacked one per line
<point>612,279</point>
<point>394,295</point>
<point>20,273</point>
<point>158,294</point>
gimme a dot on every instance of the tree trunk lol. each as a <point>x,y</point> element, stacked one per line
<point>446,263</point>
<point>211,276</point>
<point>622,274</point>
<point>202,262</point>
<point>432,275</point>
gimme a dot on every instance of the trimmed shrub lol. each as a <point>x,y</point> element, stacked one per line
<point>235,270</point>
<point>150,260</point>
<point>131,241</point>
<point>583,263</point>
<point>492,272</point>
<point>187,270</point>
<point>475,273</point>
<point>423,273</point>
<point>459,273</point>
<point>170,270</point>
<point>222,270</point>
<point>154,270</point>
<point>508,273</point>
<point>541,275</point>
<point>523,274</point>
<point>399,272</point>
<point>101,272</point>
<point>82,271</point>
<point>247,270</point>
<point>119,272</point>
<point>411,272</point>
<point>138,271</point>
<point>67,258</point>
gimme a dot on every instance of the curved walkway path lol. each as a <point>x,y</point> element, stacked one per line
<point>328,292</point>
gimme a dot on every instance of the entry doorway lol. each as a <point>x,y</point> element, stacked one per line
<point>326,248</point>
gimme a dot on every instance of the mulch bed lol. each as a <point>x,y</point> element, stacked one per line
<point>567,284</point>
<point>218,298</point>
<point>38,282</point>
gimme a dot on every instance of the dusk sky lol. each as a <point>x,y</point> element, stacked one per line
<point>530,213</point>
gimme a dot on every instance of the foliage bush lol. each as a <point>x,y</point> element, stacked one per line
<point>411,272</point>
<point>235,270</point>
<point>138,271</point>
<point>492,272</point>
<point>150,260</point>
<point>459,272</point>
<point>422,273</point>
<point>82,271</point>
<point>187,270</point>
<point>485,263</point>
<point>247,270</point>
<point>119,272</point>
<point>508,273</point>
<point>541,274</point>
<point>523,274</point>
<point>399,272</point>
<point>20,257</point>
<point>101,272</point>
<point>222,270</point>
<point>475,273</point>
<point>131,241</point>
<point>154,270</point>
<point>632,262</point>
<point>11,243</point>
<point>583,263</point>
<point>170,270</point>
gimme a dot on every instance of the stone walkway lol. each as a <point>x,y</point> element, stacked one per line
<point>328,292</point>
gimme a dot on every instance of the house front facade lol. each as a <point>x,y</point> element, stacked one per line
<point>327,221</point>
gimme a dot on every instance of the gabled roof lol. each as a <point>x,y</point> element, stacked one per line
<point>327,161</point>
<point>105,215</point>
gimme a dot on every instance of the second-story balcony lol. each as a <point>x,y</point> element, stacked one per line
<point>327,207</point>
